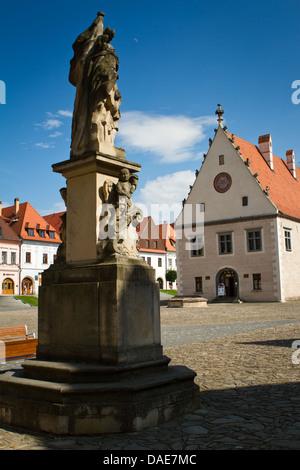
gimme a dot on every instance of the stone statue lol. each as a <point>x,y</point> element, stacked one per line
<point>93,71</point>
<point>61,251</point>
<point>120,217</point>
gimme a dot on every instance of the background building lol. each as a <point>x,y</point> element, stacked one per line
<point>10,247</point>
<point>156,245</point>
<point>251,203</point>
<point>39,243</point>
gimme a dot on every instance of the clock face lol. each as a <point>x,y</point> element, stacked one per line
<point>222,182</point>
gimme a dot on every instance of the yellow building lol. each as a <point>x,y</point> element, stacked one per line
<point>250,241</point>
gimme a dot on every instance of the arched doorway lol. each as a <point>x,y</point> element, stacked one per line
<point>8,287</point>
<point>160,283</point>
<point>227,282</point>
<point>27,286</point>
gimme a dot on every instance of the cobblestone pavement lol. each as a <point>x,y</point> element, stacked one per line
<point>247,370</point>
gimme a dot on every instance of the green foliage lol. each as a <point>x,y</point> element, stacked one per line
<point>170,292</point>
<point>28,299</point>
<point>171,275</point>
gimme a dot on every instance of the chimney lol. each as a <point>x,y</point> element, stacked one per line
<point>265,148</point>
<point>17,205</point>
<point>290,161</point>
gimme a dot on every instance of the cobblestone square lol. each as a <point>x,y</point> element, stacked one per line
<point>247,370</point>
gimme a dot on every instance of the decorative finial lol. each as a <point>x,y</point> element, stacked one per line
<point>220,112</point>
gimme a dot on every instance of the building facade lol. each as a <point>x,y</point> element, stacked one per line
<point>38,247</point>
<point>248,245</point>
<point>156,245</point>
<point>10,248</point>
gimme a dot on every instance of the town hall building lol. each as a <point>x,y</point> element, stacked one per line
<point>248,247</point>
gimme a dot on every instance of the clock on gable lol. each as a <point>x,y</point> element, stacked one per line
<point>222,182</point>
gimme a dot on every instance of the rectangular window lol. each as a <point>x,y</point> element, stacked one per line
<point>225,243</point>
<point>155,245</point>
<point>4,257</point>
<point>221,159</point>
<point>28,257</point>
<point>13,257</point>
<point>51,234</point>
<point>42,233</point>
<point>31,232</point>
<point>256,281</point>
<point>198,284</point>
<point>149,261</point>
<point>197,246</point>
<point>45,258</point>
<point>159,262</point>
<point>254,240</point>
<point>245,200</point>
<point>288,239</point>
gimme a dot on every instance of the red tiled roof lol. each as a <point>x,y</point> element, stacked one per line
<point>167,234</point>
<point>27,217</point>
<point>55,220</point>
<point>150,250</point>
<point>7,233</point>
<point>284,189</point>
<point>164,234</point>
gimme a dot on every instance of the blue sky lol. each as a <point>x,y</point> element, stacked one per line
<point>178,60</point>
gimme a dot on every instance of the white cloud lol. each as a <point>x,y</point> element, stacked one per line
<point>57,207</point>
<point>56,134</point>
<point>61,112</point>
<point>172,138</point>
<point>162,197</point>
<point>43,145</point>
<point>51,115</point>
<point>65,112</point>
<point>50,124</point>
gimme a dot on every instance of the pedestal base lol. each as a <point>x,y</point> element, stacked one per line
<point>99,365</point>
<point>104,313</point>
<point>142,400</point>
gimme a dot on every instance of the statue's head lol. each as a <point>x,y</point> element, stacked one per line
<point>124,174</point>
<point>110,33</point>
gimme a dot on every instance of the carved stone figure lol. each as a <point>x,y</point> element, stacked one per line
<point>120,217</point>
<point>93,71</point>
<point>61,251</point>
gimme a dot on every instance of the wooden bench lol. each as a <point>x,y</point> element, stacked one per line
<point>16,343</point>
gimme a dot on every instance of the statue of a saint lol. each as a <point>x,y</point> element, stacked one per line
<point>93,71</point>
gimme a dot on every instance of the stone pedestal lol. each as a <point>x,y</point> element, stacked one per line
<point>99,365</point>
<point>85,178</point>
<point>104,313</point>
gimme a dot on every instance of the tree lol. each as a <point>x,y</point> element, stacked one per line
<point>171,275</point>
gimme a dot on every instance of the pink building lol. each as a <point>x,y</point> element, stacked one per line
<point>10,246</point>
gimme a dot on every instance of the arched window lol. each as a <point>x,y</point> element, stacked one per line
<point>27,286</point>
